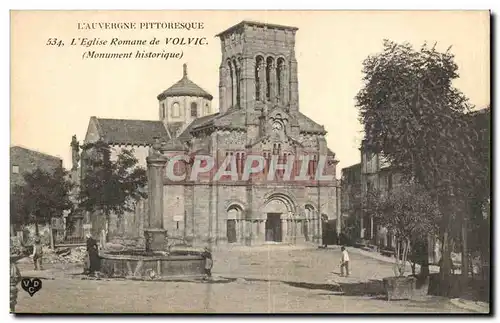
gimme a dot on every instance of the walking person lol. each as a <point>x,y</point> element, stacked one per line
<point>93,256</point>
<point>37,254</point>
<point>344,262</point>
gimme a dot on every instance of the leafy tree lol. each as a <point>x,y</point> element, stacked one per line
<point>479,225</point>
<point>110,186</point>
<point>408,213</point>
<point>414,116</point>
<point>42,196</point>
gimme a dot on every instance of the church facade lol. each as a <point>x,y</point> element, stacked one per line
<point>258,115</point>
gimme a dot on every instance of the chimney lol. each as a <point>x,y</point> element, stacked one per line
<point>185,68</point>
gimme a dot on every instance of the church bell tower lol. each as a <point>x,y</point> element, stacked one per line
<point>258,71</point>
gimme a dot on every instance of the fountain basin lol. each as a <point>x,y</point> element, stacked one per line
<point>141,264</point>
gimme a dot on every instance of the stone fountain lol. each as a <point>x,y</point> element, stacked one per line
<point>155,261</point>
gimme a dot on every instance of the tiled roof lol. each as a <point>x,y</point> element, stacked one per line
<point>308,125</point>
<point>186,134</point>
<point>185,87</point>
<point>35,153</point>
<point>131,132</point>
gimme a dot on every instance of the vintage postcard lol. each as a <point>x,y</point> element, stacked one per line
<point>250,162</point>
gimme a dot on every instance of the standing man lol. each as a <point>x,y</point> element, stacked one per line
<point>37,254</point>
<point>344,262</point>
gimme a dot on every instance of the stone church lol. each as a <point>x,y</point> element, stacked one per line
<point>258,114</point>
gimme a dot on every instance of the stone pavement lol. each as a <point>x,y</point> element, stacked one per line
<point>264,279</point>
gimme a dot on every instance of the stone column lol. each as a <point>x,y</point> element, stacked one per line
<point>262,230</point>
<point>155,233</point>
<point>284,229</point>
<point>237,229</point>
<point>255,230</point>
<point>222,87</point>
<point>228,98</point>
<point>234,84</point>
<point>300,238</point>
<point>262,80</point>
<point>286,85</point>
<point>242,231</point>
<point>273,91</point>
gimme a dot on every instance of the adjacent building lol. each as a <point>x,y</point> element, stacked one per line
<point>24,160</point>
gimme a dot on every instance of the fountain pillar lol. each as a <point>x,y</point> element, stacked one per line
<point>155,233</point>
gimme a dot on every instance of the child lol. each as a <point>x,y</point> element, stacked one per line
<point>344,262</point>
<point>37,254</point>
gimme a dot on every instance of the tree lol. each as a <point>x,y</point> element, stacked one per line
<point>42,196</point>
<point>110,186</point>
<point>408,213</point>
<point>415,118</point>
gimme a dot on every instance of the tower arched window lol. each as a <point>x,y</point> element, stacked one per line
<point>259,65</point>
<point>207,109</point>
<point>194,110</point>
<point>269,66</point>
<point>176,110</point>
<point>237,77</point>
<point>231,82</point>
<point>280,77</point>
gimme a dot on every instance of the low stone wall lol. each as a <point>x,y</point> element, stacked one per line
<point>152,267</point>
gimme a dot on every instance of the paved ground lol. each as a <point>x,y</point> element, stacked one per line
<point>268,279</point>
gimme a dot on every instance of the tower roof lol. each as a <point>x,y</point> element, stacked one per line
<point>185,87</point>
<point>257,24</point>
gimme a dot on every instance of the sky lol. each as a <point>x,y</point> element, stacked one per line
<point>54,92</point>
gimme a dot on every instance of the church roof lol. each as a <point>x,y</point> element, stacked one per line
<point>185,87</point>
<point>236,119</point>
<point>308,125</point>
<point>130,132</point>
<point>186,134</point>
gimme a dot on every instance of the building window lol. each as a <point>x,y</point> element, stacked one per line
<point>194,110</point>
<point>259,69</point>
<point>176,110</point>
<point>15,169</point>
<point>207,109</point>
<point>269,86</point>
<point>280,75</point>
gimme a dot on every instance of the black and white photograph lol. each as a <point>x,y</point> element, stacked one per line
<point>255,162</point>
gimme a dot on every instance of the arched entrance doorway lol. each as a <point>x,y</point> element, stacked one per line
<point>234,213</point>
<point>278,210</point>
